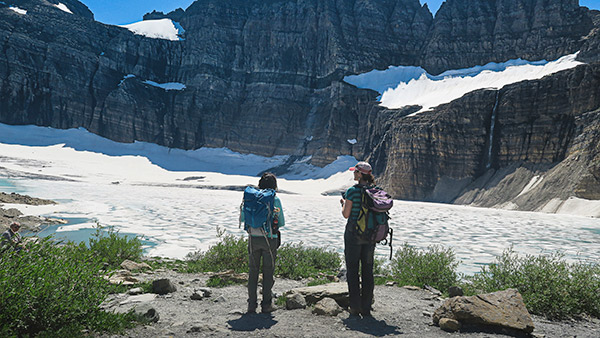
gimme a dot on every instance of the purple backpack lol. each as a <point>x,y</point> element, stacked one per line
<point>375,206</point>
<point>381,201</point>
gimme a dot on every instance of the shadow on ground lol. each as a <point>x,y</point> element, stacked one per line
<point>251,322</point>
<point>371,326</point>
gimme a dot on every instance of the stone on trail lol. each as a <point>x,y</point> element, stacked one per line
<point>502,309</point>
<point>450,325</point>
<point>123,277</point>
<point>163,286</point>
<point>327,307</point>
<point>135,291</point>
<point>133,266</point>
<point>295,301</point>
<point>313,294</point>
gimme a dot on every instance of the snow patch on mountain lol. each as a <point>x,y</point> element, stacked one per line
<point>63,8</point>
<point>408,85</point>
<point>18,10</point>
<point>157,29</point>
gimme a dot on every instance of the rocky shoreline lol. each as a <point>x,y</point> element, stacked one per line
<point>29,223</point>
<point>191,309</point>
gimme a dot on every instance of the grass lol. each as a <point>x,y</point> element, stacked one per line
<point>55,288</point>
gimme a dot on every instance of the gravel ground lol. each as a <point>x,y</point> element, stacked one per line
<point>397,312</point>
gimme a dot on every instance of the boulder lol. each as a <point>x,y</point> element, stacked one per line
<point>295,301</point>
<point>327,307</point>
<point>163,286</point>
<point>502,309</point>
<point>313,294</point>
<point>133,266</point>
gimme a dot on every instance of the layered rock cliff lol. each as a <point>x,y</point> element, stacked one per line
<point>265,77</point>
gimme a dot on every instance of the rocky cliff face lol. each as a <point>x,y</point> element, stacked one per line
<point>542,146</point>
<point>275,69</point>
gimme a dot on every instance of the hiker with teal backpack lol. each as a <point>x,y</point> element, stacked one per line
<point>365,206</point>
<point>262,215</point>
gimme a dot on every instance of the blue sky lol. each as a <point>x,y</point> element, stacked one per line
<point>120,12</point>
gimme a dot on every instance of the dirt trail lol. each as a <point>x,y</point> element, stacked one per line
<point>397,312</point>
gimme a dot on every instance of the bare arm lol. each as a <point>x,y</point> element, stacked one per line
<point>346,208</point>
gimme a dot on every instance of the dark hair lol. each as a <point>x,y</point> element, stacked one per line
<point>369,178</point>
<point>268,181</point>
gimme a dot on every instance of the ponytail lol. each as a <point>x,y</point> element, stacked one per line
<point>369,178</point>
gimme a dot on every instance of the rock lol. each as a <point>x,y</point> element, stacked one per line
<point>412,288</point>
<point>197,295</point>
<point>433,290</point>
<point>391,283</point>
<point>133,266</point>
<point>12,213</point>
<point>450,325</point>
<point>327,307</point>
<point>313,294</point>
<point>295,301</point>
<point>143,298</point>
<point>502,309</point>
<point>135,291</point>
<point>163,286</point>
<point>231,276</point>
<point>123,277</point>
<point>455,291</point>
<point>220,299</point>
<point>147,313</point>
<point>205,292</point>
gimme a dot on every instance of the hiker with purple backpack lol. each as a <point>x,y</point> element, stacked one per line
<point>365,206</point>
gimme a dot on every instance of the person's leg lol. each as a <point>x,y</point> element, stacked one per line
<point>368,281</point>
<point>352,258</point>
<point>268,269</point>
<point>254,254</point>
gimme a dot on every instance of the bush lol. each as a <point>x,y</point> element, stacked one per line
<point>296,261</point>
<point>435,267</point>
<point>230,253</point>
<point>54,290</point>
<point>550,286</point>
<point>293,260</point>
<point>112,248</point>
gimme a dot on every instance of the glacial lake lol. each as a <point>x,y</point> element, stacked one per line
<point>174,221</point>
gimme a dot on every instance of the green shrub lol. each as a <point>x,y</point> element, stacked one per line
<point>54,290</point>
<point>230,253</point>
<point>435,267</point>
<point>112,248</point>
<point>293,260</point>
<point>549,285</point>
<point>296,261</point>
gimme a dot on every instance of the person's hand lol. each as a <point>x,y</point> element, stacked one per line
<point>342,202</point>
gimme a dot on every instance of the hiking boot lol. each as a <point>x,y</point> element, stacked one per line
<point>354,312</point>
<point>251,309</point>
<point>268,309</point>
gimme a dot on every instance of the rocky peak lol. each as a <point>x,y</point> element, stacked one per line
<point>467,33</point>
